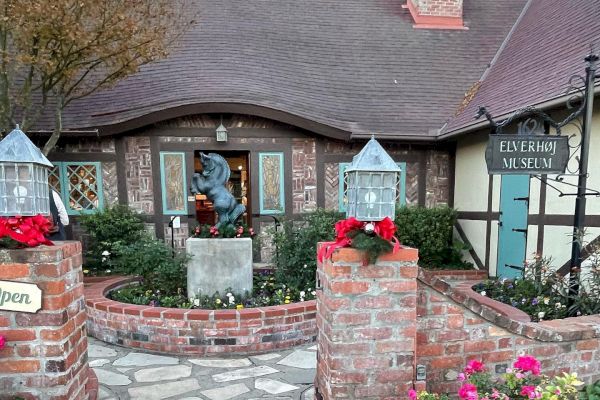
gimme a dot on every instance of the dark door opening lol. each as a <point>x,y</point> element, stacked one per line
<point>239,185</point>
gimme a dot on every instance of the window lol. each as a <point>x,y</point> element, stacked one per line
<point>342,201</point>
<point>270,183</point>
<point>79,184</point>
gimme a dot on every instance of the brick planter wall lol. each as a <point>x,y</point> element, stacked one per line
<point>197,332</point>
<point>367,325</point>
<point>456,324</point>
<point>46,353</point>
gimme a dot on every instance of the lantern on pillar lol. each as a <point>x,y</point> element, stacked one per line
<point>24,189</point>
<point>372,181</point>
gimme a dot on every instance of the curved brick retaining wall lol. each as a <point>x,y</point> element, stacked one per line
<point>456,324</point>
<point>184,331</point>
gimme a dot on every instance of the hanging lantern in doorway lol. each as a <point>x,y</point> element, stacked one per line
<point>221,133</point>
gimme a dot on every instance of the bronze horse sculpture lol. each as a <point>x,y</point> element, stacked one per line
<point>211,182</point>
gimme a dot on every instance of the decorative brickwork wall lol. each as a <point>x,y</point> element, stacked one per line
<point>46,353</point>
<point>197,332</point>
<point>181,234</point>
<point>439,8</point>
<point>366,315</point>
<point>304,175</point>
<point>371,318</point>
<point>455,325</point>
<point>138,174</point>
<point>438,178</point>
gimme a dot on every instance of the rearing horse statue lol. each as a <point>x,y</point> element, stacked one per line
<point>211,182</point>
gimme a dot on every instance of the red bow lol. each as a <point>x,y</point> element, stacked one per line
<point>29,231</point>
<point>384,229</point>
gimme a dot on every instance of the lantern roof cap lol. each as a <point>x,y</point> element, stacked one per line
<point>17,148</point>
<point>373,157</point>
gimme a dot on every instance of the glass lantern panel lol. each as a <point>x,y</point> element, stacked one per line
<point>364,179</point>
<point>389,179</point>
<point>388,195</point>
<point>25,172</point>
<point>376,180</point>
<point>387,210</point>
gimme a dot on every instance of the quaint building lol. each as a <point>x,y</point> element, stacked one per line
<point>299,87</point>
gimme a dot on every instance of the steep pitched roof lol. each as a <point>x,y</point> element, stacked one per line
<point>547,47</point>
<point>357,66</point>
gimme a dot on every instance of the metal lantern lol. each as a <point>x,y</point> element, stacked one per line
<point>372,181</point>
<point>24,188</point>
<point>221,133</point>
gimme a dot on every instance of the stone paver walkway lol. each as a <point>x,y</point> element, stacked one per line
<point>133,374</point>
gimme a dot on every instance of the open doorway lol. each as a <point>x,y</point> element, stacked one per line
<point>239,185</point>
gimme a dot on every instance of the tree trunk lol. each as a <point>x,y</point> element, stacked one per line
<point>49,146</point>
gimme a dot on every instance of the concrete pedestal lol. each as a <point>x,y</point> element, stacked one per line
<point>218,264</point>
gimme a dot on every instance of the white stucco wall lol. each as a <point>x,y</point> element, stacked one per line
<point>471,187</point>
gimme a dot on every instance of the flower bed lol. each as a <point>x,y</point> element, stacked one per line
<point>195,331</point>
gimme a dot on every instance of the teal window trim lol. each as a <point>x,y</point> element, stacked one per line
<point>263,210</point>
<point>64,185</point>
<point>341,186</point>
<point>163,183</point>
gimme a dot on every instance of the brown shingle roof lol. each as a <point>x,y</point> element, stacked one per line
<point>545,49</point>
<point>355,65</point>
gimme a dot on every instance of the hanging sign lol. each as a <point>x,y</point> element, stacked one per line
<point>527,154</point>
<point>19,296</point>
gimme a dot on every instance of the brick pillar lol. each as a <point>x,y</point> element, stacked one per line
<point>46,353</point>
<point>367,320</point>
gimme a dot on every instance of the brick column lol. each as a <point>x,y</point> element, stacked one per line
<point>46,353</point>
<point>366,316</point>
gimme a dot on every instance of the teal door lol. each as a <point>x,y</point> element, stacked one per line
<point>512,229</point>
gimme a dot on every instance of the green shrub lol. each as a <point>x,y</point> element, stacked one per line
<point>154,261</point>
<point>431,231</point>
<point>114,226</point>
<point>296,247</point>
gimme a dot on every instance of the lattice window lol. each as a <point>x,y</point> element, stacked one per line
<point>80,185</point>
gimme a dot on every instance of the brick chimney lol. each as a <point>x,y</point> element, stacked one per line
<point>436,14</point>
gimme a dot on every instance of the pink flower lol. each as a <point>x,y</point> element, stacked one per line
<point>468,391</point>
<point>412,394</point>
<point>528,363</point>
<point>530,392</point>
<point>519,375</point>
<point>461,377</point>
<point>2,342</point>
<point>474,366</point>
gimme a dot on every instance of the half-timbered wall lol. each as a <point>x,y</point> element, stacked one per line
<point>131,166</point>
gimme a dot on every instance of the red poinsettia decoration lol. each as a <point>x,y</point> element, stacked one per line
<point>29,231</point>
<point>346,229</point>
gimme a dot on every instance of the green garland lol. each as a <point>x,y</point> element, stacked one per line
<point>371,243</point>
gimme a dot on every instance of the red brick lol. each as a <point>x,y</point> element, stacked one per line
<point>591,344</point>
<point>479,346</point>
<point>505,343</point>
<point>198,315</point>
<point>174,314</point>
<point>455,321</point>
<point>336,304</point>
<point>392,376</point>
<point>371,362</point>
<point>349,348</point>
<point>376,271</point>
<point>349,287</point>
<point>52,287</point>
<point>397,316</point>
<point>18,335</point>
<point>19,366</point>
<point>409,272</point>
<point>451,335</point>
<point>399,287</point>
<point>347,255</point>
<point>348,377</point>
<point>395,346</point>
<point>351,318</point>
<point>428,350</point>
<point>373,333</point>
<point>58,334</point>
<point>14,271</point>
<point>446,362</point>
<point>338,271</point>
<point>498,356</point>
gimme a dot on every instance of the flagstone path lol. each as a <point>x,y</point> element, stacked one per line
<point>127,374</point>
